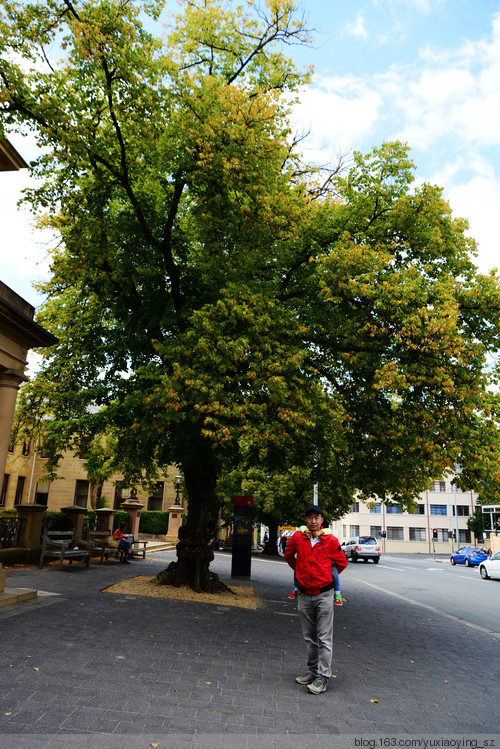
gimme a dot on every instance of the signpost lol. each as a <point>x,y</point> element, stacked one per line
<point>242,538</point>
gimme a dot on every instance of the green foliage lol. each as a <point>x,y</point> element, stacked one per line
<point>120,517</point>
<point>217,309</point>
<point>153,522</point>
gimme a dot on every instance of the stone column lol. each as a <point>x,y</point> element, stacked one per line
<point>133,508</point>
<point>105,518</point>
<point>33,516</point>
<point>9,385</point>
<point>175,513</point>
<point>76,515</point>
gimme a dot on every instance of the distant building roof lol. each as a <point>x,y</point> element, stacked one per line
<point>10,159</point>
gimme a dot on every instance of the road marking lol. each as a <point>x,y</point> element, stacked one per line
<point>477,627</point>
<point>395,569</point>
<point>433,569</point>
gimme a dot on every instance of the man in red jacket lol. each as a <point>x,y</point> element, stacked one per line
<point>311,552</point>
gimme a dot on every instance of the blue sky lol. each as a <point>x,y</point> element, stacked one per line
<point>423,71</point>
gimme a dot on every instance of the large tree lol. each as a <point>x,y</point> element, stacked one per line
<point>218,308</point>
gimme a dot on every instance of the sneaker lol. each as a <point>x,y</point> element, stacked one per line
<point>293,594</point>
<point>306,678</point>
<point>318,685</point>
<point>338,600</point>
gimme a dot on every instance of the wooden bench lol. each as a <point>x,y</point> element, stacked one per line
<point>63,545</point>
<point>138,547</point>
<point>102,541</point>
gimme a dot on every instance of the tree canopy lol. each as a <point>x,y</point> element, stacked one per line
<point>220,307</point>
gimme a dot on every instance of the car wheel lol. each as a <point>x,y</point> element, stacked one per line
<point>365,560</point>
<point>483,572</point>
<point>354,558</point>
<point>375,560</point>
<point>467,563</point>
<point>452,561</point>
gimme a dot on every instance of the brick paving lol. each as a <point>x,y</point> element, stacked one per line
<point>83,668</point>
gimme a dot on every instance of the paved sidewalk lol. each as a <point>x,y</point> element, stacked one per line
<point>83,668</point>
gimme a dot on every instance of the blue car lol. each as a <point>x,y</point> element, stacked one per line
<point>469,555</point>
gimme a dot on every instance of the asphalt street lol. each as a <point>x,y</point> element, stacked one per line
<point>84,668</point>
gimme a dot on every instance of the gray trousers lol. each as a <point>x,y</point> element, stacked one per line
<point>316,618</point>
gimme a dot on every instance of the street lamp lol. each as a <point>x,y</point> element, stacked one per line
<point>178,480</point>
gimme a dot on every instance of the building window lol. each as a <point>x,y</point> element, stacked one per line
<point>355,507</point>
<point>440,486</point>
<point>417,534</point>
<point>45,452</point>
<point>85,447</point>
<point>5,484</point>
<point>439,510</point>
<point>462,511</point>
<point>26,449</point>
<point>118,497</point>
<point>344,531</point>
<point>42,493</point>
<point>442,534</point>
<point>376,530</point>
<point>394,509</point>
<point>394,533</point>
<point>464,537</point>
<point>155,501</point>
<point>19,490</point>
<point>354,530</point>
<point>81,492</point>
<point>376,507</point>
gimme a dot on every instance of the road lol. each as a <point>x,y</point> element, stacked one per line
<point>457,592</point>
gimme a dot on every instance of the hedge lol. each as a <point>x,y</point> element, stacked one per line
<point>153,521</point>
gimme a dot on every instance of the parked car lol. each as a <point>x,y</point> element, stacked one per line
<point>490,567</point>
<point>362,547</point>
<point>468,555</point>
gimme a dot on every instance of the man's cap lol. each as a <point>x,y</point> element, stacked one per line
<point>314,508</point>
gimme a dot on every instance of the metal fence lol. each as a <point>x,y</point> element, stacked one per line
<point>11,532</point>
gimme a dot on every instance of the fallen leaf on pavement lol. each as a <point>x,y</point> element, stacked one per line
<point>373,700</point>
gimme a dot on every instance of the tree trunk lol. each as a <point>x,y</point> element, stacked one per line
<point>194,552</point>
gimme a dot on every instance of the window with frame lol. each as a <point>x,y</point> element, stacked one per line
<point>20,489</point>
<point>376,530</point>
<point>118,497</point>
<point>42,493</point>
<point>354,530</point>
<point>442,534</point>
<point>344,531</point>
<point>464,537</point>
<point>81,492</point>
<point>417,534</point>
<point>394,509</point>
<point>376,507</point>
<point>462,511</point>
<point>5,484</point>
<point>155,501</point>
<point>355,507</point>
<point>395,533</point>
<point>438,510</point>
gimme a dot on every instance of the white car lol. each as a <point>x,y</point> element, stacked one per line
<point>362,547</point>
<point>490,567</point>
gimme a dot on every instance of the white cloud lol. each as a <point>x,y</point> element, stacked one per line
<point>356,28</point>
<point>340,112</point>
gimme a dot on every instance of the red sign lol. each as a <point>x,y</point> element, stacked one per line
<point>243,501</point>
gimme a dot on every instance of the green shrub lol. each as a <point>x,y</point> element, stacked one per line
<point>154,522</point>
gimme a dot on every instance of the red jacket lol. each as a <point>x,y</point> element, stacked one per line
<point>313,564</point>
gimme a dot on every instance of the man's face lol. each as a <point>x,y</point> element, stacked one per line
<point>314,521</point>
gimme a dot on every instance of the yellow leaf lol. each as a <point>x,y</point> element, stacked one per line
<point>446,681</point>
<point>7,713</point>
<point>155,744</point>
<point>35,668</point>
<point>373,700</point>
<point>208,682</point>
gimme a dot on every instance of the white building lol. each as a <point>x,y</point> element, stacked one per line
<point>441,510</point>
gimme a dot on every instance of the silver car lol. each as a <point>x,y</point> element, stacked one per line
<point>362,547</point>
